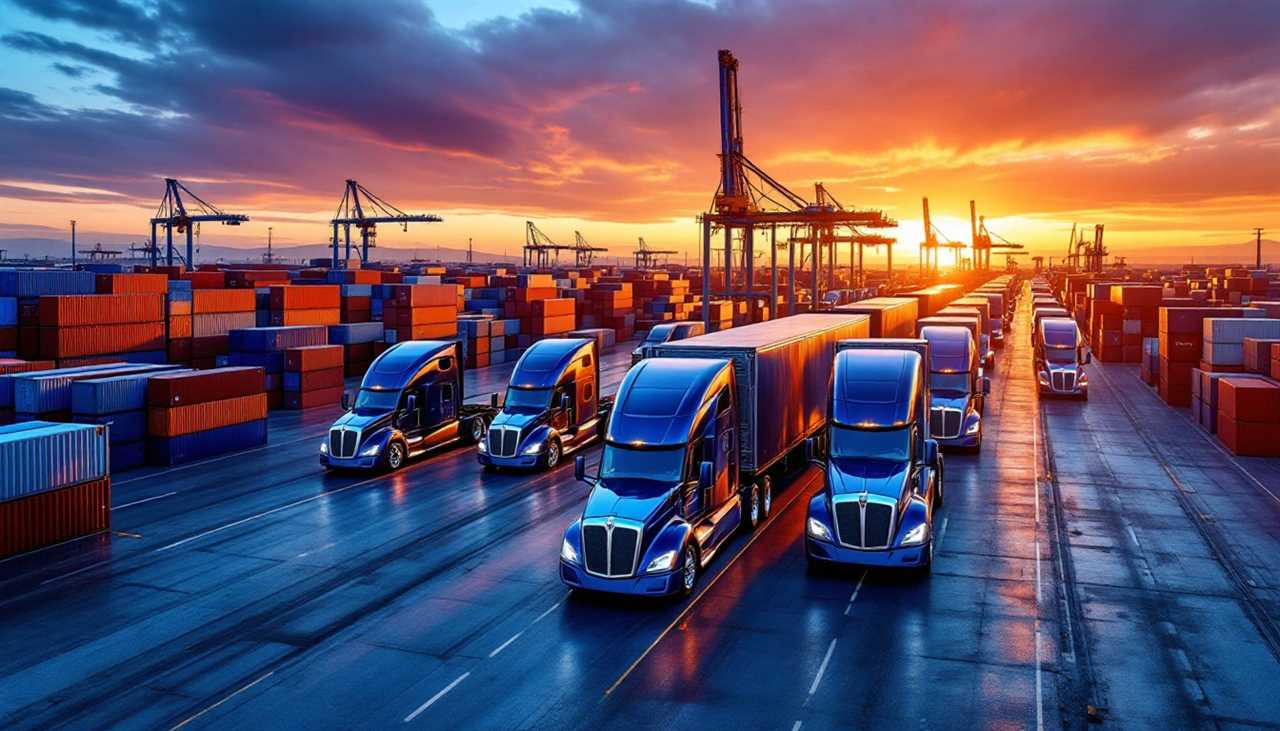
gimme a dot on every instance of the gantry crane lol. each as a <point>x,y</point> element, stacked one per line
<point>747,198</point>
<point>982,243</point>
<point>540,251</point>
<point>365,211</point>
<point>174,214</point>
<point>583,251</point>
<point>1080,249</point>
<point>647,258</point>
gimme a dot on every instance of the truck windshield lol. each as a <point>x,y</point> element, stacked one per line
<point>378,401</point>
<point>890,444</point>
<point>955,382</point>
<point>658,335</point>
<point>527,399</point>
<point>1060,356</point>
<point>663,465</point>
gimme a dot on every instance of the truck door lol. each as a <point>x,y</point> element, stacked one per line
<point>586,390</point>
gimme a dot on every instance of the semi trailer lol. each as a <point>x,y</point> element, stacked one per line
<point>666,332</point>
<point>410,401</point>
<point>891,317</point>
<point>883,471</point>
<point>552,407</point>
<point>697,436</point>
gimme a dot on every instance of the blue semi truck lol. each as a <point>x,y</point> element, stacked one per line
<point>697,437</point>
<point>884,474</point>
<point>410,401</point>
<point>957,388</point>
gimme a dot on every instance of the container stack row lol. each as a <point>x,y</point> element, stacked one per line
<point>196,414</point>
<point>55,484</point>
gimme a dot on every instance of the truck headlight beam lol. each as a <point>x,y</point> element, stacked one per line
<point>818,530</point>
<point>916,535</point>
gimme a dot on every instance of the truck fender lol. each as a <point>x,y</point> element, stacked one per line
<point>382,438</point>
<point>573,534</point>
<point>671,537</point>
<point>540,435</point>
<point>972,418</point>
<point>917,512</point>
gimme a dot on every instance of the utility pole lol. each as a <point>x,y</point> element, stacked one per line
<point>73,243</point>
<point>1257,232</point>
<point>468,249</point>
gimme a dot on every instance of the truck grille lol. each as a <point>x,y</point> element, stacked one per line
<point>864,526</point>
<point>610,549</point>
<point>503,441</point>
<point>944,423</point>
<point>1064,380</point>
<point>343,442</point>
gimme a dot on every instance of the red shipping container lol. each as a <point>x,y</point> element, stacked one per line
<point>305,297</point>
<point>180,350</point>
<point>205,301</point>
<point>135,283</point>
<point>15,365</point>
<point>553,325</point>
<point>1175,382</point>
<point>179,326</point>
<point>253,278</point>
<point>535,294</point>
<point>477,360</point>
<point>48,518</point>
<point>1181,347</point>
<point>207,280</point>
<point>100,309</point>
<point>1249,439</point>
<point>209,347</point>
<point>425,295</point>
<point>359,302</point>
<point>313,358</point>
<point>201,386</point>
<point>69,342</point>
<point>1258,354</point>
<point>1249,399</point>
<point>357,315</point>
<point>358,352</point>
<point>326,379</point>
<point>311,399</point>
<point>306,317</point>
<point>8,338</point>
<point>175,421</point>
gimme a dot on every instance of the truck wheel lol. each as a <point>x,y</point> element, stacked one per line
<point>475,429</point>
<point>751,510</point>
<point>927,568</point>
<point>689,571</point>
<point>553,454</point>
<point>394,457</point>
<point>766,497</point>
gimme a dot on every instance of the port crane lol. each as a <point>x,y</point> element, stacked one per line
<point>982,240</point>
<point>364,210</point>
<point>540,251</point>
<point>647,258</point>
<point>185,215</point>
<point>1081,249</point>
<point>748,198</point>
<point>583,251</point>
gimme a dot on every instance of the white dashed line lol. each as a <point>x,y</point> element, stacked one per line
<point>143,500</point>
<point>189,719</point>
<point>822,669</point>
<point>848,608</point>
<point>409,718</point>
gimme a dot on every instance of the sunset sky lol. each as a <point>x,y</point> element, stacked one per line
<point>1159,119</point>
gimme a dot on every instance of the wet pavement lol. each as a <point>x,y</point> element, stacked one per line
<point>1101,554</point>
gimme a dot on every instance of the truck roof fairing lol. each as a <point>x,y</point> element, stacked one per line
<point>398,365</point>
<point>951,348</point>
<point>876,388</point>
<point>661,398</point>
<point>1059,332</point>
<point>544,362</point>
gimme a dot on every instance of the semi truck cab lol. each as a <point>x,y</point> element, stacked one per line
<point>957,388</point>
<point>883,471</point>
<point>552,407</point>
<point>1060,358</point>
<point>410,401</point>
<point>666,332</point>
<point>667,494</point>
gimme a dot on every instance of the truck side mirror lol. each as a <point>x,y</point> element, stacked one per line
<point>346,401</point>
<point>411,404</point>
<point>1088,357</point>
<point>986,385</point>
<point>931,452</point>
<point>580,468</point>
<point>706,475</point>
<point>565,401</point>
<point>810,450</point>
<point>493,399</point>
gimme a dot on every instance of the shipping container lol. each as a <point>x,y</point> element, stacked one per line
<point>206,301</point>
<point>100,309</point>
<point>68,342</point>
<point>176,450</point>
<point>42,392</point>
<point>193,387</point>
<point>176,421</point>
<point>113,394</point>
<point>270,339</point>
<point>48,518</point>
<point>37,282</point>
<point>49,456</point>
<point>314,380</point>
<point>356,332</point>
<point>890,317</point>
<point>304,297</point>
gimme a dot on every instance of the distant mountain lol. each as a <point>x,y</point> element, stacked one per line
<point>1241,253</point>
<point>41,248</point>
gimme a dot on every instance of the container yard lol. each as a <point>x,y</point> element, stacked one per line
<point>771,486</point>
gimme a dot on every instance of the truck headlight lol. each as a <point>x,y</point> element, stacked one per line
<point>533,448</point>
<point>916,535</point>
<point>324,447</point>
<point>567,553</point>
<point>1044,378</point>
<point>818,530</point>
<point>480,445</point>
<point>370,451</point>
<point>973,428</point>
<point>1083,378</point>
<point>661,562</point>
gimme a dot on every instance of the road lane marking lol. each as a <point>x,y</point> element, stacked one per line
<point>73,573</point>
<point>942,533</point>
<point>143,500</point>
<point>504,645</point>
<point>517,635</point>
<point>849,607</point>
<point>796,726</point>
<point>409,718</point>
<point>189,719</point>
<point>822,669</point>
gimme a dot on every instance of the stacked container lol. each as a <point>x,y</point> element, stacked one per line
<point>46,395</point>
<point>214,314</point>
<point>313,376</point>
<point>1249,416</point>
<point>357,301</point>
<point>121,403</point>
<point>611,305</point>
<point>264,348</point>
<point>197,414</point>
<point>421,312</point>
<point>1206,396</point>
<point>55,484</point>
<point>605,337</point>
<point>1139,317</point>
<point>14,366</point>
<point>26,286</point>
<point>477,341</point>
<point>75,326</point>
<point>319,304</point>
<point>551,317</point>
<point>1223,349</point>
<point>1181,336</point>
<point>1258,354</point>
<point>356,339</point>
<point>8,327</point>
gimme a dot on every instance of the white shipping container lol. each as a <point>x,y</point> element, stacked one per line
<point>1235,330</point>
<point>51,456</point>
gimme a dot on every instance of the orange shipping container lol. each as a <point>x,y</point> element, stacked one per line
<point>552,307</point>
<point>179,326</point>
<point>425,295</point>
<point>305,297</point>
<point>553,325</point>
<point>69,342</point>
<point>179,420</point>
<point>313,358</point>
<point>395,316</point>
<point>401,333</point>
<point>321,380</point>
<point>205,301</point>
<point>135,283</point>
<point>100,309</point>
<point>306,317</point>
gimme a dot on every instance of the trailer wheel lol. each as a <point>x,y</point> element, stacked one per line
<point>475,429</point>
<point>766,497</point>
<point>751,517</point>
<point>689,571</point>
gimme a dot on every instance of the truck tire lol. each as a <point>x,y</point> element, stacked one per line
<point>475,429</point>
<point>393,458</point>
<point>689,571</point>
<point>553,454</point>
<point>927,568</point>
<point>751,508</point>
<point>766,497</point>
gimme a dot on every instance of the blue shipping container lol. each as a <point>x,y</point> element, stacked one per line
<point>176,450</point>
<point>127,456</point>
<point>42,392</point>
<point>51,456</point>
<point>36,282</point>
<point>126,426</point>
<point>355,332</point>
<point>6,381</point>
<point>8,311</point>
<point>268,362</point>
<point>269,339</point>
<point>112,394</point>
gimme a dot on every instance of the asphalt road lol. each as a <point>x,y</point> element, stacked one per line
<point>1096,554</point>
